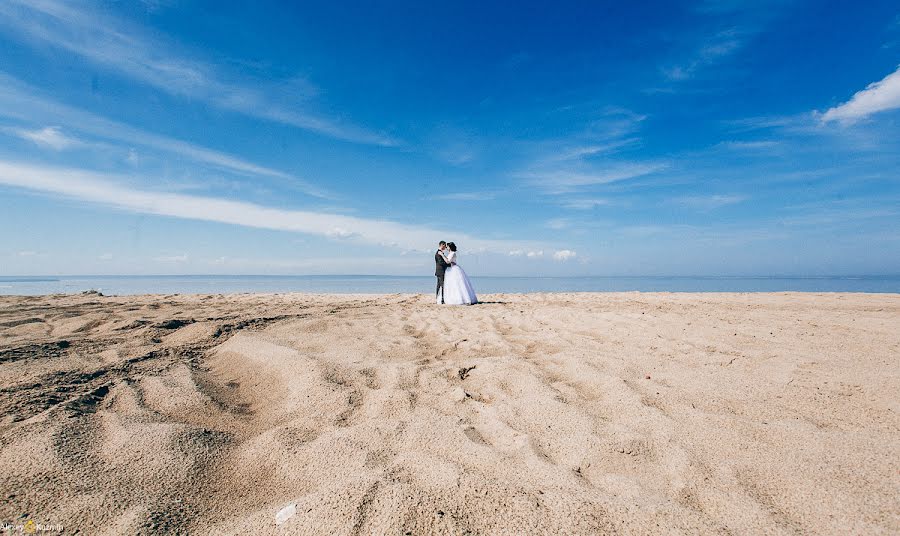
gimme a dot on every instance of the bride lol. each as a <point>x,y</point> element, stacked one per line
<point>457,288</point>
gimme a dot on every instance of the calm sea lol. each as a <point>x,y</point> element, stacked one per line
<point>214,284</point>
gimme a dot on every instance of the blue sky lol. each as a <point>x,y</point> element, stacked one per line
<point>595,138</point>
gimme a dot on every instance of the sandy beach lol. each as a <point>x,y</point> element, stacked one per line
<point>629,413</point>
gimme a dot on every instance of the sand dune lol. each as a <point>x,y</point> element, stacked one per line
<point>542,414</point>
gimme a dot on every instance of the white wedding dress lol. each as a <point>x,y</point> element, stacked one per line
<point>457,287</point>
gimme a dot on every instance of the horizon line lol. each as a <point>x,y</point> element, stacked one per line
<point>698,276</point>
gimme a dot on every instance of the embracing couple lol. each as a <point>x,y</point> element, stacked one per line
<point>453,286</point>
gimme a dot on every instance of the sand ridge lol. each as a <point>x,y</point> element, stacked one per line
<point>631,413</point>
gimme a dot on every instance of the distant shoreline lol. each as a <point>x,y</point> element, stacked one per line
<point>378,284</point>
<point>484,297</point>
<point>57,277</point>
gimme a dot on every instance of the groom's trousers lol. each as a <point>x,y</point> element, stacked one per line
<point>440,287</point>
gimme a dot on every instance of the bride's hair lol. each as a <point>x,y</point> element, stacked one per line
<point>452,246</point>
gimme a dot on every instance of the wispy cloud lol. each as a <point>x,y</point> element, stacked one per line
<point>808,133</point>
<point>579,152</point>
<point>585,203</point>
<point>841,212</point>
<point>597,128</point>
<point>735,24</point>
<point>454,144</point>
<point>390,264</point>
<point>721,45</point>
<point>24,103</point>
<point>558,223</point>
<point>749,145</point>
<point>107,190</point>
<point>457,154</point>
<point>707,202</point>
<point>615,127</point>
<point>172,259</point>
<point>122,47</point>
<point>561,182</point>
<point>51,137</point>
<point>585,158</point>
<point>750,124</point>
<point>877,97</point>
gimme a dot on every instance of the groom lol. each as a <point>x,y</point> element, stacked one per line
<point>440,266</point>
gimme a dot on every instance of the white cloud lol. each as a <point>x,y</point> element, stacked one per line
<point>107,190</point>
<point>531,254</point>
<point>117,45</point>
<point>23,102</point>
<point>27,253</point>
<point>106,257</point>
<point>48,137</point>
<point>339,232</point>
<point>877,97</point>
<point>172,259</point>
<point>564,255</point>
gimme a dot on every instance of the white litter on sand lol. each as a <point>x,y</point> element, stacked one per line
<point>285,513</point>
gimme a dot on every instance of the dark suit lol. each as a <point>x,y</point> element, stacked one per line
<point>440,266</point>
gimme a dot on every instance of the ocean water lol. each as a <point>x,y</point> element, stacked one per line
<point>365,284</point>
